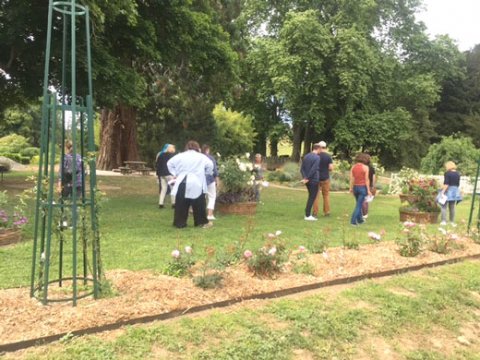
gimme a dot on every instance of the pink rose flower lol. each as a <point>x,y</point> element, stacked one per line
<point>272,251</point>
<point>175,254</point>
<point>247,254</point>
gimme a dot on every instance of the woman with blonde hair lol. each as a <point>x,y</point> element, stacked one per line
<point>450,189</point>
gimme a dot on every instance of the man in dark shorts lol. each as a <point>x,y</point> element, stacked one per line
<point>325,167</point>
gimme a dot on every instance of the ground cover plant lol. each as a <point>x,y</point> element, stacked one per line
<point>432,314</point>
<point>136,235</point>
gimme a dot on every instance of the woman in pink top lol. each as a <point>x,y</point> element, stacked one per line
<point>359,186</point>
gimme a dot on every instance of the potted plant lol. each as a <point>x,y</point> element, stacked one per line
<point>419,201</point>
<point>11,221</point>
<point>237,186</point>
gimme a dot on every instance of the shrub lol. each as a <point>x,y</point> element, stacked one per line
<point>234,131</point>
<point>209,277</point>
<point>180,264</point>
<point>288,173</point>
<point>269,259</point>
<point>460,150</point>
<point>304,267</point>
<point>13,144</point>
<point>29,152</point>
<point>411,239</point>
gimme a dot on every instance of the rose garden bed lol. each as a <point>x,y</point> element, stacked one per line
<point>144,293</point>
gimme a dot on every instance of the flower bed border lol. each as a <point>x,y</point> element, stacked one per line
<point>20,345</point>
<point>10,236</point>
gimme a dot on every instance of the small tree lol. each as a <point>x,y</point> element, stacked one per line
<point>235,133</point>
<point>460,150</point>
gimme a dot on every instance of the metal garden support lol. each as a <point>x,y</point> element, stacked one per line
<point>474,196</point>
<point>66,249</point>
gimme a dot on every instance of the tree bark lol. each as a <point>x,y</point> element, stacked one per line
<point>118,141</point>
<point>274,148</point>
<point>308,139</point>
<point>297,141</point>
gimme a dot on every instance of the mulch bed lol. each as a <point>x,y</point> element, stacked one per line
<point>143,293</point>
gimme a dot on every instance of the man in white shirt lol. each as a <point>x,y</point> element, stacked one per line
<point>190,169</point>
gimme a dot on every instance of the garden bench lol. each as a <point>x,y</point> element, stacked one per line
<point>145,171</point>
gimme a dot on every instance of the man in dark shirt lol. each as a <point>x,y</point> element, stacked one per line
<point>310,174</point>
<point>326,165</point>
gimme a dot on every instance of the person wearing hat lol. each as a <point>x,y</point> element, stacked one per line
<point>164,176</point>
<point>325,167</point>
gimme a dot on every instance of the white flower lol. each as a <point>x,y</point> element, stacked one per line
<point>272,251</point>
<point>188,249</point>
<point>175,254</point>
<point>249,166</point>
<point>265,184</point>
<point>443,231</point>
<point>325,255</point>
<point>374,236</point>
<point>302,248</point>
<point>250,182</point>
<point>247,155</point>
<point>278,233</point>
<point>271,236</point>
<point>218,154</point>
<point>242,166</point>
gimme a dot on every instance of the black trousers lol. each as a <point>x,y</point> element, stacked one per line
<point>182,205</point>
<point>312,188</point>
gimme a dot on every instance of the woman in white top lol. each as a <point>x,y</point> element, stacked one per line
<point>189,169</point>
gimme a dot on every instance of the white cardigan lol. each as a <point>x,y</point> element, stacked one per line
<point>194,164</point>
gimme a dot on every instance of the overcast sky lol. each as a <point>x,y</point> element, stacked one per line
<point>457,18</point>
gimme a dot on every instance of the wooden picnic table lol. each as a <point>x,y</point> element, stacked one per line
<point>135,166</point>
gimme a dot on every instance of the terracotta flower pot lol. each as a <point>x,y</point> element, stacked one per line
<point>419,217</point>
<point>239,208</point>
<point>10,236</point>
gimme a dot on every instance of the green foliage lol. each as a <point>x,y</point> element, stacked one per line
<point>234,132</point>
<point>303,266</point>
<point>411,239</point>
<point>180,264</point>
<point>208,280</point>
<point>269,259</point>
<point>290,172</point>
<point>13,144</point>
<point>460,150</point>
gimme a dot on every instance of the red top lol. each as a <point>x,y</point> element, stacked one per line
<point>359,173</point>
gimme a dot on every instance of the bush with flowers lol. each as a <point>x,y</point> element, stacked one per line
<point>301,262</point>
<point>14,218</point>
<point>180,262</point>
<point>421,195</point>
<point>237,180</point>
<point>411,239</point>
<point>269,259</point>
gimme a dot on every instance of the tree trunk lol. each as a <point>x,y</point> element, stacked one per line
<point>260,146</point>
<point>297,141</point>
<point>308,139</point>
<point>274,147</point>
<point>118,142</point>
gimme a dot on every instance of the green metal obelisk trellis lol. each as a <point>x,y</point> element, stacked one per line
<point>474,196</point>
<point>66,250</point>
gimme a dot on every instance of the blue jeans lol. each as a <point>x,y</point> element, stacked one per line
<point>360,193</point>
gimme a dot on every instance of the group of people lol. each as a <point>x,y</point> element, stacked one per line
<point>316,168</point>
<point>188,176</point>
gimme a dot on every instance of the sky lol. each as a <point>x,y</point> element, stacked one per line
<point>457,18</point>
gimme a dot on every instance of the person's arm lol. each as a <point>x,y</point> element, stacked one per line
<point>314,168</point>
<point>445,183</point>
<point>330,165</point>
<point>367,179</point>
<point>172,166</point>
<point>352,180</point>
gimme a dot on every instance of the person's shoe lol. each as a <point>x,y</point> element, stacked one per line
<point>443,223</point>
<point>365,217</point>
<point>161,206</point>
<point>327,215</point>
<point>207,225</point>
<point>310,218</point>
<point>211,217</point>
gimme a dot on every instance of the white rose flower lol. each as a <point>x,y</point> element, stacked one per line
<point>278,232</point>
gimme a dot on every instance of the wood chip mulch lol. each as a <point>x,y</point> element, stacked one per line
<point>143,293</point>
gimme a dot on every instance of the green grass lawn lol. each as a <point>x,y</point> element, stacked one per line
<point>136,235</point>
<point>422,316</point>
